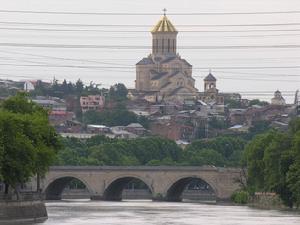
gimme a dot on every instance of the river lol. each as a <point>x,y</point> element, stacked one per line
<point>85,212</point>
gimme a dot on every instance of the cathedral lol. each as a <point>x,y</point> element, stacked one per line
<point>164,75</point>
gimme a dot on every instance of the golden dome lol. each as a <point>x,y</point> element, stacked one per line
<point>164,25</point>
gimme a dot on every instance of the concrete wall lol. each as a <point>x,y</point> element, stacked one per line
<point>22,211</point>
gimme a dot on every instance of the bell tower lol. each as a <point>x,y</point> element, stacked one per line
<point>164,38</point>
<point>210,82</point>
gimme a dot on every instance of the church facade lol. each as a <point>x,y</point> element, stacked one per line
<point>164,75</point>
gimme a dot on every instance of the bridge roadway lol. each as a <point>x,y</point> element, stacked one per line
<point>166,183</point>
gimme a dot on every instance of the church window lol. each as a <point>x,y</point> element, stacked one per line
<point>173,45</point>
<point>153,45</point>
<point>168,45</point>
<point>162,46</point>
<point>156,47</point>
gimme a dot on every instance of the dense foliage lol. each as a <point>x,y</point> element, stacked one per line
<point>258,102</point>
<point>273,163</point>
<point>66,88</point>
<point>220,151</point>
<point>117,116</point>
<point>100,150</point>
<point>28,142</point>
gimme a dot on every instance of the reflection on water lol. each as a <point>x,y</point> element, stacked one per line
<point>144,212</point>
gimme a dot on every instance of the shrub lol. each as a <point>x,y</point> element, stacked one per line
<point>240,197</point>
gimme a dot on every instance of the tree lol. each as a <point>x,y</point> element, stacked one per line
<point>293,182</point>
<point>118,92</point>
<point>118,116</point>
<point>254,158</point>
<point>230,148</point>
<point>273,162</point>
<point>79,87</point>
<point>26,129</point>
<point>258,102</point>
<point>293,175</point>
<point>18,151</point>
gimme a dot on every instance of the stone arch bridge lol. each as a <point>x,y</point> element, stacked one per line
<point>166,183</point>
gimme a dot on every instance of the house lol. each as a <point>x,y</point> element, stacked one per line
<point>92,102</point>
<point>238,129</point>
<point>264,113</point>
<point>58,117</point>
<point>184,125</point>
<point>97,129</point>
<point>51,103</point>
<point>70,126</point>
<point>136,128</point>
<point>277,99</point>
<point>29,85</point>
<point>120,132</point>
<point>237,116</point>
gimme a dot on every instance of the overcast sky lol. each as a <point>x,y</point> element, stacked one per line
<point>83,44</point>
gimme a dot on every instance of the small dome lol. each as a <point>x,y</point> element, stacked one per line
<point>164,25</point>
<point>210,77</point>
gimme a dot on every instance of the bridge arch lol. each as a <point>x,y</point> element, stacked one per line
<point>176,188</point>
<point>54,188</point>
<point>115,187</point>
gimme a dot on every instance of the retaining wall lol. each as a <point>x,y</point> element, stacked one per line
<point>16,212</point>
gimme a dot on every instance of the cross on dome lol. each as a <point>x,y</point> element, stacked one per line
<point>165,11</point>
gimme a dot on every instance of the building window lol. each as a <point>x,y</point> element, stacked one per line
<point>174,46</point>
<point>162,46</point>
<point>153,45</point>
<point>168,45</point>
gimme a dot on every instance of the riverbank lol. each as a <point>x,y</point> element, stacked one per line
<point>19,211</point>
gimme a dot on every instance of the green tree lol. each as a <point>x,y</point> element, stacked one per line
<point>79,87</point>
<point>118,92</point>
<point>118,116</point>
<point>203,157</point>
<point>18,151</point>
<point>254,158</point>
<point>258,102</point>
<point>230,148</point>
<point>273,163</point>
<point>30,126</point>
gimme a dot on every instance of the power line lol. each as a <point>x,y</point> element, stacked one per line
<point>148,25</point>
<point>123,67</point>
<point>252,79</point>
<point>93,60</point>
<point>101,62</point>
<point>263,74</point>
<point>136,47</point>
<point>149,13</point>
<point>64,58</point>
<point>203,35</point>
<point>142,31</point>
<point>221,78</point>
